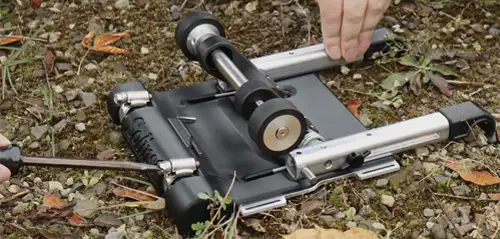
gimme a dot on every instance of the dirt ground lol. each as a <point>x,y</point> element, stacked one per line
<point>425,199</point>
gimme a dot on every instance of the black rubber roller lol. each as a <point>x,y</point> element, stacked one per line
<point>277,126</point>
<point>248,94</point>
<point>188,23</point>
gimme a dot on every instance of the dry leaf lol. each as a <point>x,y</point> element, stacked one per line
<point>158,204</point>
<point>495,196</point>
<point>477,177</point>
<point>10,39</point>
<point>49,60</point>
<point>75,219</point>
<point>353,106</point>
<point>320,233</point>
<point>36,3</point>
<point>53,201</point>
<point>123,192</point>
<point>102,43</point>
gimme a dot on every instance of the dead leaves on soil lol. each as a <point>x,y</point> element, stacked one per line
<point>320,233</point>
<point>353,106</point>
<point>142,199</point>
<point>54,207</point>
<point>476,177</point>
<point>10,39</point>
<point>102,43</point>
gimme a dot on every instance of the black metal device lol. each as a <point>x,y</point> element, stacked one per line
<point>269,123</point>
<point>223,124</point>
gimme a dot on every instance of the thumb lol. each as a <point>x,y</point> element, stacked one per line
<point>4,173</point>
<point>4,142</point>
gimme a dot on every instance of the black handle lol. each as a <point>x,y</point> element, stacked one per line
<point>11,158</point>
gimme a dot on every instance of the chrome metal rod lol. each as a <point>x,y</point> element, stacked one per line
<point>88,164</point>
<point>384,141</point>
<point>228,69</point>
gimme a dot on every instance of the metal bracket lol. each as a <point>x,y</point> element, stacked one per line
<point>174,168</point>
<point>130,100</point>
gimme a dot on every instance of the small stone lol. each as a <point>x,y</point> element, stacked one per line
<point>153,76</point>
<point>311,206</point>
<point>327,219</point>
<point>144,50</point>
<point>428,212</point>
<point>368,193</point>
<point>365,120</point>
<point>351,224</point>
<point>71,95</point>
<point>382,182</point>
<point>121,4</point>
<point>58,89</point>
<point>55,186</point>
<point>365,210</point>
<point>28,197</point>
<point>64,66</point>
<point>477,27</point>
<point>440,178</point>
<point>461,190</point>
<point>85,208</point>
<point>466,228</point>
<point>378,225</point>
<point>80,127</point>
<point>340,215</point>
<point>494,31</point>
<point>34,145</point>
<point>422,151</point>
<point>438,231</point>
<point>69,181</point>
<point>108,220</point>
<point>430,167</point>
<point>65,192</point>
<point>91,67</point>
<point>482,140</point>
<point>39,131</point>
<point>64,144</point>
<point>115,137</point>
<point>88,98</point>
<point>388,200</point>
<point>106,154</point>
<point>37,180</point>
<point>483,196</point>
<point>14,189</point>
<point>20,208</point>
<point>345,70</point>
<point>357,76</point>
<point>465,212</point>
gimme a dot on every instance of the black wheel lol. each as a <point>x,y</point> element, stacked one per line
<point>113,107</point>
<point>188,23</point>
<point>277,127</point>
<point>248,94</point>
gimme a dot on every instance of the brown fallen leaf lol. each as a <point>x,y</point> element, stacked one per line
<point>50,213</point>
<point>477,177</point>
<point>10,39</point>
<point>353,106</point>
<point>102,43</point>
<point>495,196</point>
<point>76,220</point>
<point>49,60</point>
<point>123,192</point>
<point>53,201</point>
<point>320,233</point>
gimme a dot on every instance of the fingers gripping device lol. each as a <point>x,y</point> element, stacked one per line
<point>269,122</point>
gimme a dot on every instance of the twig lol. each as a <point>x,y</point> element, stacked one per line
<point>496,232</point>
<point>134,180</point>
<point>364,93</point>
<point>81,62</point>
<point>456,82</point>
<point>441,207</point>
<point>137,214</point>
<point>183,5</point>
<point>14,196</point>
<point>137,191</point>
<point>467,198</point>
<point>52,140</point>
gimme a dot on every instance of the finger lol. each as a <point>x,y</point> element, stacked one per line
<point>4,142</point>
<point>4,173</point>
<point>331,21</point>
<point>352,22</point>
<point>374,14</point>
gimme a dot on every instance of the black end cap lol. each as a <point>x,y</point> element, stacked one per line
<point>463,117</point>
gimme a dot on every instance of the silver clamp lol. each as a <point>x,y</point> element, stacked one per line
<point>175,168</point>
<point>131,99</point>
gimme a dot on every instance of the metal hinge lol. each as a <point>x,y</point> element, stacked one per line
<point>174,168</point>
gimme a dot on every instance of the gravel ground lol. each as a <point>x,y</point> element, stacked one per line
<point>424,200</point>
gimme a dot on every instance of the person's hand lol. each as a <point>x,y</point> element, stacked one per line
<point>4,171</point>
<point>348,25</point>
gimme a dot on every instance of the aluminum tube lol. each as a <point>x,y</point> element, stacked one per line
<point>296,62</point>
<point>228,69</point>
<point>384,141</point>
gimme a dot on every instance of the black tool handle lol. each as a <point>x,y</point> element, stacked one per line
<point>11,158</point>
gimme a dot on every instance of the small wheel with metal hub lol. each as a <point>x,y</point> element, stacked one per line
<point>277,126</point>
<point>193,29</point>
